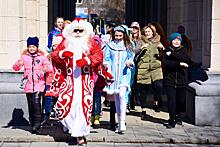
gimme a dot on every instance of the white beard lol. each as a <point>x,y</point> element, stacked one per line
<point>77,44</point>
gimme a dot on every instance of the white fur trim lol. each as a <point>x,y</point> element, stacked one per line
<point>61,54</point>
<point>111,92</point>
<point>87,26</point>
<point>125,85</point>
<point>106,64</point>
<point>88,60</point>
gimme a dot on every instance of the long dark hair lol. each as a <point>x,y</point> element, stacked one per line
<point>126,38</point>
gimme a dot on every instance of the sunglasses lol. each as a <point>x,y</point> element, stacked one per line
<point>78,30</point>
<point>135,28</point>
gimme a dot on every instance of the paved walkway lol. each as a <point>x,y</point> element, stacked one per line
<point>101,144</point>
<point>138,131</point>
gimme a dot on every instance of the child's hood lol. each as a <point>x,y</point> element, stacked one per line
<point>39,52</point>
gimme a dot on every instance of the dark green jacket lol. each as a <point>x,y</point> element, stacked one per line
<point>148,66</point>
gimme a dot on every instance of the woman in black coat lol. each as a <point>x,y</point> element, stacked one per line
<point>175,63</point>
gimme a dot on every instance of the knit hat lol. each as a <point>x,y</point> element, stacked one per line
<point>33,41</point>
<point>174,36</point>
<point>98,40</point>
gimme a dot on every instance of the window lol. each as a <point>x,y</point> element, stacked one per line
<point>79,1</point>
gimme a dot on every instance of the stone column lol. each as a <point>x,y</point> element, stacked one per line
<point>215,37</point>
<point>10,35</point>
<point>18,20</point>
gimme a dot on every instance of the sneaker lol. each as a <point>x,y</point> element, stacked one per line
<point>92,120</point>
<point>81,141</point>
<point>96,124</point>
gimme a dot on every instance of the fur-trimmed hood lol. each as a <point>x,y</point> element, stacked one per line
<point>39,52</point>
<point>155,39</point>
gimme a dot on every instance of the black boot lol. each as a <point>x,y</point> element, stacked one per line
<point>143,115</point>
<point>37,111</point>
<point>170,124</point>
<point>178,120</point>
<point>112,115</point>
<point>156,106</point>
<point>30,102</point>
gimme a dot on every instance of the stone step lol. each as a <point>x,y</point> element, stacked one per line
<point>10,76</point>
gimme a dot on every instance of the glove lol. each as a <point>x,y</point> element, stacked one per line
<point>65,54</point>
<point>107,76</point>
<point>183,64</point>
<point>168,53</point>
<point>82,62</point>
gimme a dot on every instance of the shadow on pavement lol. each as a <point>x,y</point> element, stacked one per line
<point>53,128</point>
<point>18,120</point>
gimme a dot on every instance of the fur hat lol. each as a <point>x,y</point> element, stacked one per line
<point>174,36</point>
<point>78,24</point>
<point>33,41</point>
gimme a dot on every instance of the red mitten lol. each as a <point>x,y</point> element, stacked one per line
<point>109,79</point>
<point>107,75</point>
<point>82,62</point>
<point>66,54</point>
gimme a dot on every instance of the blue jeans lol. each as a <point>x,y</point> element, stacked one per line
<point>96,102</point>
<point>48,102</point>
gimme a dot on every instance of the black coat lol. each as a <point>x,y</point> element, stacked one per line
<point>174,74</point>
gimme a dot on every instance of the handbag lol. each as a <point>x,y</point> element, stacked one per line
<point>198,73</point>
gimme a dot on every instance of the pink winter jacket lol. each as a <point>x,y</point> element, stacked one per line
<point>33,71</point>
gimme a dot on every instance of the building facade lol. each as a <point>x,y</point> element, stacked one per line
<point>22,18</point>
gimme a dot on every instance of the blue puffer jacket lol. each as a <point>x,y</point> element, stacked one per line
<point>55,31</point>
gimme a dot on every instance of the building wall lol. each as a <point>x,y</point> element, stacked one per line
<point>18,20</point>
<point>22,18</point>
<point>215,36</point>
<point>196,16</point>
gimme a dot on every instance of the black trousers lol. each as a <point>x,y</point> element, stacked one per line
<point>34,108</point>
<point>176,101</point>
<point>143,90</point>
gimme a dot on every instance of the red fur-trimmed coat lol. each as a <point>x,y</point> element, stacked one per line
<point>74,86</point>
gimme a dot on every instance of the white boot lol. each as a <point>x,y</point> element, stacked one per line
<point>121,127</point>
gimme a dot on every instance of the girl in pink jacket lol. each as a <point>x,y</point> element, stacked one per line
<point>35,66</point>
